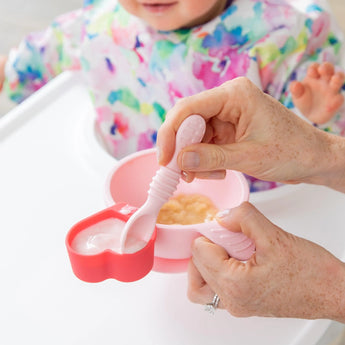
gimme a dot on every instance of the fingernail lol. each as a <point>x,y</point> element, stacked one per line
<point>187,177</point>
<point>223,214</point>
<point>190,160</point>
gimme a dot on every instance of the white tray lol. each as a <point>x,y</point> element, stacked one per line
<point>53,173</point>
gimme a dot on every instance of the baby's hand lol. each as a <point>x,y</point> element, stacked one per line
<point>2,70</point>
<point>318,96</point>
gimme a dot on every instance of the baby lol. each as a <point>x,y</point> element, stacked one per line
<point>138,57</point>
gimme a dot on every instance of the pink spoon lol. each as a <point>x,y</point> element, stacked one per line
<point>142,223</point>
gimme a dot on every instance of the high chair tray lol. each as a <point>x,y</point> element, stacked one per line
<point>53,173</point>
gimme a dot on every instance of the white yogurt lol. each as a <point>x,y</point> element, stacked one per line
<point>105,235</point>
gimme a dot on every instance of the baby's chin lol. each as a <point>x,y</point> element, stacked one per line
<point>164,27</point>
<point>169,25</point>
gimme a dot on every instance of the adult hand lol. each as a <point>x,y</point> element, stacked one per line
<point>249,131</point>
<point>287,276</point>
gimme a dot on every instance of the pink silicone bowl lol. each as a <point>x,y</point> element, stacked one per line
<point>129,183</point>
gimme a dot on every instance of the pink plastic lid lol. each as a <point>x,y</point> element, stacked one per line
<point>108,263</point>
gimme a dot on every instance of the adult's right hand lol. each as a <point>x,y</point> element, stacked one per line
<point>287,276</point>
<point>249,131</point>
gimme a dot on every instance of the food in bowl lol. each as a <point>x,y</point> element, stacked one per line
<point>128,183</point>
<point>186,209</point>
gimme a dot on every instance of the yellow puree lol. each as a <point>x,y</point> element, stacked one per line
<point>187,209</point>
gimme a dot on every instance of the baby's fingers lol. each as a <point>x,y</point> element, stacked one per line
<point>337,81</point>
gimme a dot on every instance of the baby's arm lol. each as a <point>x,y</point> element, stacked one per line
<point>41,56</point>
<point>318,96</point>
<point>2,70</point>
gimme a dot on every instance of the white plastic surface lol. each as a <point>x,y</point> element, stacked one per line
<point>52,175</point>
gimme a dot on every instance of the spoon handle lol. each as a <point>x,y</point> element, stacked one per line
<point>237,244</point>
<point>165,181</point>
<point>190,132</point>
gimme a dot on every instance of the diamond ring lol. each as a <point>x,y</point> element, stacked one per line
<point>211,307</point>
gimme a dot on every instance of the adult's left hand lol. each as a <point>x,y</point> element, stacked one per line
<point>288,276</point>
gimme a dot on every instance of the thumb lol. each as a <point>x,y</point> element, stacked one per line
<point>297,89</point>
<point>249,220</point>
<point>212,260</point>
